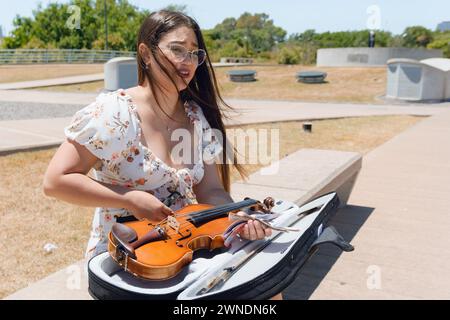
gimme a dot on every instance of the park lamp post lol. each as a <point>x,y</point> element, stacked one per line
<point>106,25</point>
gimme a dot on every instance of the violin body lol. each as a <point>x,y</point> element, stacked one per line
<point>162,254</point>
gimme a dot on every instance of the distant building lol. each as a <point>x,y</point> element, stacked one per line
<point>444,26</point>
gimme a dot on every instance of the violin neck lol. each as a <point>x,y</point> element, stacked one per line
<point>201,217</point>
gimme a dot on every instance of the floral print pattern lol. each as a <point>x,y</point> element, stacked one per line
<point>110,129</point>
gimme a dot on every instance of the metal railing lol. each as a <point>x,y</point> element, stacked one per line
<point>27,56</point>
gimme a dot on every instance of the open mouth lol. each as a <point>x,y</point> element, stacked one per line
<point>184,73</point>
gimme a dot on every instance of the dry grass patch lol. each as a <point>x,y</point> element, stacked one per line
<point>18,73</point>
<point>29,220</point>
<point>357,85</point>
<point>349,134</point>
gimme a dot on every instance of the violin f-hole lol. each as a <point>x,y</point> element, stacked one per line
<point>183,237</point>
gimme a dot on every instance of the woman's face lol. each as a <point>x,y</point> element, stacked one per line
<point>174,46</point>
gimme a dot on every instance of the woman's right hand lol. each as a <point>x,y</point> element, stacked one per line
<point>142,204</point>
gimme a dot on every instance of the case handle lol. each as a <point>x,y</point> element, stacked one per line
<point>331,235</point>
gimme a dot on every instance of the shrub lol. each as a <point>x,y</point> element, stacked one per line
<point>288,55</point>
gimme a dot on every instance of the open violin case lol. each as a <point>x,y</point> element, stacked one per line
<point>274,267</point>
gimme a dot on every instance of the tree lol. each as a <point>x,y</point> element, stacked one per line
<point>249,34</point>
<point>177,7</point>
<point>21,34</point>
<point>53,26</point>
<point>441,41</point>
<point>417,36</point>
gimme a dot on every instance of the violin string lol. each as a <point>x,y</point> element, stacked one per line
<point>230,207</point>
<point>184,223</point>
<point>215,210</point>
<point>181,215</point>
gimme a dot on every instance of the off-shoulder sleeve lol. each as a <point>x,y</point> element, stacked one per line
<point>105,127</point>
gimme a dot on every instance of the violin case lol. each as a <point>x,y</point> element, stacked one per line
<point>273,268</point>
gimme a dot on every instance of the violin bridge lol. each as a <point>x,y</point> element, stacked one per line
<point>173,223</point>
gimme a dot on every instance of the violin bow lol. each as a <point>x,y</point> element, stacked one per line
<point>227,272</point>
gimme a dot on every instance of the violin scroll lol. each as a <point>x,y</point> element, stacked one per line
<point>266,206</point>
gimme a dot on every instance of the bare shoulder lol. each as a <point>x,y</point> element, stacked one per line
<point>133,91</point>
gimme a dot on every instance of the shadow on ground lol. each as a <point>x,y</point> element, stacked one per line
<point>347,221</point>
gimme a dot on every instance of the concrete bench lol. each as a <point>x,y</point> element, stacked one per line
<point>236,60</point>
<point>311,76</point>
<point>242,75</point>
<point>302,176</point>
<point>120,73</point>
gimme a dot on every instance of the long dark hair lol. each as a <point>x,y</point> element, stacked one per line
<point>202,89</point>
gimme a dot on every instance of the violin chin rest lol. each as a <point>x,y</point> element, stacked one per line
<point>124,235</point>
<point>123,232</point>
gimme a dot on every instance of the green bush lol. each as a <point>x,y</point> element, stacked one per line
<point>443,44</point>
<point>35,43</point>
<point>288,55</point>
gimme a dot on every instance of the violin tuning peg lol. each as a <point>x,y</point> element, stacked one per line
<point>269,202</point>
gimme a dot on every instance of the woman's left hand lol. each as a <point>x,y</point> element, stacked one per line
<point>253,230</point>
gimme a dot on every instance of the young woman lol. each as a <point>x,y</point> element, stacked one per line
<point>126,137</point>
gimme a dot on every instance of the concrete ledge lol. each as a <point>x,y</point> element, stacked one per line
<point>301,176</point>
<point>69,283</point>
<point>30,147</point>
<point>370,57</point>
<point>304,175</point>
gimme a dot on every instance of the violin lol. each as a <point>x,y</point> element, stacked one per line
<point>158,250</point>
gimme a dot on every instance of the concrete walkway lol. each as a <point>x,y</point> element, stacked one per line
<point>20,135</point>
<point>47,96</point>
<point>398,218</point>
<point>52,82</point>
<point>83,78</point>
<point>33,133</point>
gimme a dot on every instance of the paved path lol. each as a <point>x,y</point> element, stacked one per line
<point>312,108</point>
<point>83,79</point>
<point>37,96</point>
<point>399,218</point>
<point>52,82</point>
<point>254,111</point>
<point>35,118</point>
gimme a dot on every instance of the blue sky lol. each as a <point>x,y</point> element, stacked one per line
<point>291,15</point>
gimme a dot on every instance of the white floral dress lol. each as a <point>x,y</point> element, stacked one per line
<point>110,129</point>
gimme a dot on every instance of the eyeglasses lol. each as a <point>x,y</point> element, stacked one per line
<point>179,53</point>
